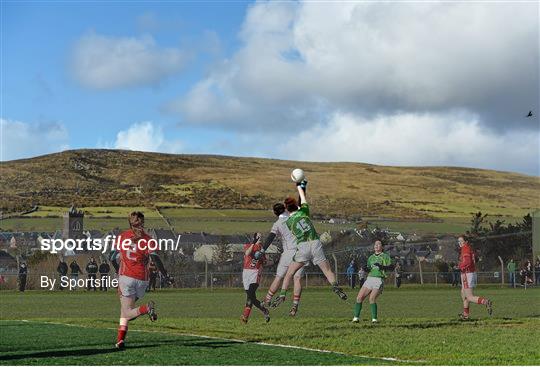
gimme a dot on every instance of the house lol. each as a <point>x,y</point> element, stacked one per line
<point>8,264</point>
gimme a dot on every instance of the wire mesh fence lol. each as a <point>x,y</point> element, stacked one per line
<point>223,280</point>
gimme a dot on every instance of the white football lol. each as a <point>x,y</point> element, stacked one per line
<point>297,175</point>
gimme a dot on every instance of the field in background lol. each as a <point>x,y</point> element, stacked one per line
<point>219,221</point>
<point>417,326</point>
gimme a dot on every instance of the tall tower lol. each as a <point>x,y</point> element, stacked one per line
<point>73,223</point>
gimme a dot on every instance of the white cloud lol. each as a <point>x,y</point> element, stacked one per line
<point>393,71</point>
<point>24,140</point>
<point>417,140</point>
<point>103,62</point>
<point>373,57</point>
<point>146,137</point>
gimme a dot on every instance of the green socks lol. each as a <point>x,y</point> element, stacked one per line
<point>283,293</point>
<point>373,311</point>
<point>357,309</point>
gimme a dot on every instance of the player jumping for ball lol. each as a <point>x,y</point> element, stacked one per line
<point>467,265</point>
<point>280,229</point>
<point>308,244</point>
<point>132,251</point>
<point>254,260</point>
<point>377,265</point>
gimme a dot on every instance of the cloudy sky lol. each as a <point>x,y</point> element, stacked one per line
<point>393,83</point>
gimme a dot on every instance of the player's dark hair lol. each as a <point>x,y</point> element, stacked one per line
<point>291,204</point>
<point>136,217</point>
<point>136,223</point>
<point>278,209</point>
<point>465,237</point>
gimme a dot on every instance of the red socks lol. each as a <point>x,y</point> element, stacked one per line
<point>466,311</point>
<point>482,300</point>
<point>247,311</point>
<point>296,299</point>
<point>122,331</point>
<point>143,310</point>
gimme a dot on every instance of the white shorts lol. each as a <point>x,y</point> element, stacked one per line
<point>250,276</point>
<point>131,287</point>
<point>374,283</point>
<point>284,261</point>
<point>310,251</point>
<point>468,280</point>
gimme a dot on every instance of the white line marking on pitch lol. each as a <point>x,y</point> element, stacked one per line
<point>390,359</point>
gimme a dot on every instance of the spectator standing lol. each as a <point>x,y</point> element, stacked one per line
<point>75,270</point>
<point>91,270</point>
<point>104,269</point>
<point>351,274</point>
<point>153,272</point>
<point>511,267</point>
<point>62,270</point>
<point>397,274</point>
<point>529,272</point>
<point>456,275</point>
<point>362,275</point>
<point>23,271</point>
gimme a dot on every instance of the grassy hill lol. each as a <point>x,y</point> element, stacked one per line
<point>99,178</point>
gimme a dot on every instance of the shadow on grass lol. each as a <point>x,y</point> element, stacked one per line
<point>134,346</point>
<point>59,353</point>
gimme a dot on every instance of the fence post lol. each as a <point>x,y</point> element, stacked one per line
<point>502,270</point>
<point>205,272</point>
<point>211,281</point>
<point>436,280</point>
<point>335,267</point>
<point>420,270</point>
<point>306,279</point>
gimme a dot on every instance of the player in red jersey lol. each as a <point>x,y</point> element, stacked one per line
<point>254,260</point>
<point>133,251</point>
<point>467,265</point>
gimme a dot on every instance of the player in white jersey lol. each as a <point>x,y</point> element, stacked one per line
<point>280,229</point>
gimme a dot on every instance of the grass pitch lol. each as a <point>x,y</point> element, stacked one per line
<point>417,326</point>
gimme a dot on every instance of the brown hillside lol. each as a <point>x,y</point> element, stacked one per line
<point>128,178</point>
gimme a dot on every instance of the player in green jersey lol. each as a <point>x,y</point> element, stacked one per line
<point>309,247</point>
<point>378,264</point>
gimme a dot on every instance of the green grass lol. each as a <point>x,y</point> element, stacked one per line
<point>68,345</point>
<point>217,213</point>
<point>54,224</point>
<point>218,221</point>
<point>416,324</point>
<point>449,225</point>
<point>94,211</point>
<point>221,225</point>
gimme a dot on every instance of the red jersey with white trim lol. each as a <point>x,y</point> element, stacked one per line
<point>134,258</point>
<point>467,259</point>
<point>249,260</point>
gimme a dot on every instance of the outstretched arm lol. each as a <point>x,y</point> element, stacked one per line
<point>302,193</point>
<point>268,241</point>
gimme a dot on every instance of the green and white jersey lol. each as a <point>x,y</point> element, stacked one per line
<point>383,259</point>
<point>301,226</point>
